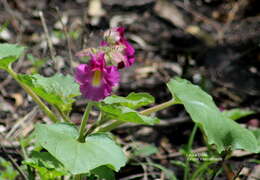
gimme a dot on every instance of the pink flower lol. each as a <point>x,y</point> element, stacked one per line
<point>115,36</point>
<point>96,79</point>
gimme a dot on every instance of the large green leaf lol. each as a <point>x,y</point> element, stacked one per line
<point>133,100</point>
<point>237,113</point>
<point>256,132</point>
<point>9,53</point>
<point>126,114</point>
<point>219,130</point>
<point>99,149</point>
<point>58,90</point>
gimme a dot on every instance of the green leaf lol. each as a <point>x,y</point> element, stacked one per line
<point>237,113</point>
<point>60,141</point>
<point>219,130</point>
<point>168,173</point>
<point>128,115</point>
<point>145,151</point>
<point>133,100</point>
<point>257,135</point>
<point>47,166</point>
<point>104,172</point>
<point>58,90</point>
<point>178,163</point>
<point>9,53</point>
<point>6,170</point>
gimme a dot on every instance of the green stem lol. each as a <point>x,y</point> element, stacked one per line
<point>148,111</point>
<point>77,177</point>
<point>36,98</point>
<point>189,148</point>
<point>84,122</point>
<point>200,170</point>
<point>111,126</point>
<point>158,107</point>
<point>64,116</point>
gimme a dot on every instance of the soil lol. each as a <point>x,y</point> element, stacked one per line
<point>213,43</point>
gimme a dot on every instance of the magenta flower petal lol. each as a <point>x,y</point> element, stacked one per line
<point>115,36</point>
<point>83,73</point>
<point>96,79</point>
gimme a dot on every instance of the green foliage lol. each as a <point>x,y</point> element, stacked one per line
<point>257,135</point>
<point>46,165</point>
<point>6,170</point>
<point>71,34</point>
<point>219,130</point>
<point>126,114</point>
<point>4,26</point>
<point>104,172</point>
<point>36,63</point>
<point>9,53</point>
<point>99,149</point>
<point>178,163</point>
<point>145,151</point>
<point>58,90</point>
<point>133,100</point>
<point>237,113</point>
<point>169,174</point>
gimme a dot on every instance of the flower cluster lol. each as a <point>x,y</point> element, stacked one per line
<point>97,78</point>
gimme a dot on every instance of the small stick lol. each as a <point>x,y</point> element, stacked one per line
<point>19,122</point>
<point>67,38</point>
<point>50,45</point>
<point>16,166</point>
<point>238,172</point>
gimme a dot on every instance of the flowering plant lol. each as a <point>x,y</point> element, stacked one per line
<point>91,149</point>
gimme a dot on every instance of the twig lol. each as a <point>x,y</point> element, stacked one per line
<point>16,16</point>
<point>238,172</point>
<point>207,20</point>
<point>84,30</point>
<point>139,175</point>
<point>29,116</point>
<point>67,38</point>
<point>231,17</point>
<point>50,45</point>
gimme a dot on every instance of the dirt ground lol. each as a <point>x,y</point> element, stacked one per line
<point>213,43</point>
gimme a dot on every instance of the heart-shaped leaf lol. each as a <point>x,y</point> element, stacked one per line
<point>9,53</point>
<point>133,100</point>
<point>99,149</point>
<point>219,130</point>
<point>128,115</point>
<point>58,90</point>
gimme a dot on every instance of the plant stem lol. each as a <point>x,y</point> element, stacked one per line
<point>77,177</point>
<point>111,126</point>
<point>36,98</point>
<point>158,107</point>
<point>148,111</point>
<point>189,148</point>
<point>84,120</point>
<point>64,116</point>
